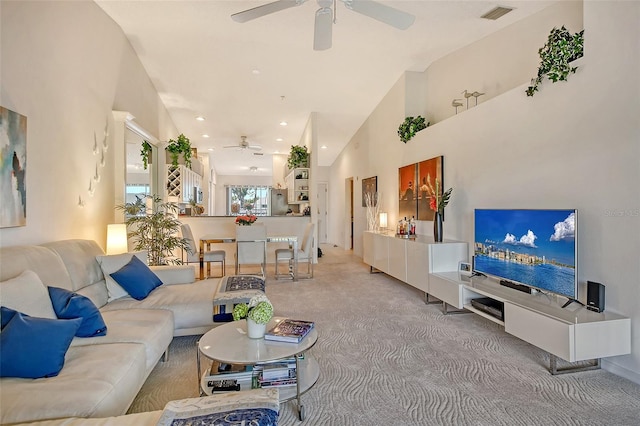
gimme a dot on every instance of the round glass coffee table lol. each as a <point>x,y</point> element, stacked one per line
<point>229,344</point>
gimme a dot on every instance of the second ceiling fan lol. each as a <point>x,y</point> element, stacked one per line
<point>325,16</point>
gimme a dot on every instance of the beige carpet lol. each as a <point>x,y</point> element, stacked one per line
<point>386,358</point>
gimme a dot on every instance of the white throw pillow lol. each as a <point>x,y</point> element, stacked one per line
<point>113,263</point>
<point>27,294</point>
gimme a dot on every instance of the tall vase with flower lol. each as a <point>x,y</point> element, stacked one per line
<point>437,203</point>
<point>258,313</point>
<point>246,220</point>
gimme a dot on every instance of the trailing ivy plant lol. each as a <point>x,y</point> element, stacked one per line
<point>154,230</point>
<point>298,157</point>
<point>144,153</point>
<point>561,48</point>
<point>177,147</point>
<point>410,126</point>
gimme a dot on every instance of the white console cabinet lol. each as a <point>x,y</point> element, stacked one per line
<point>572,333</point>
<point>411,259</point>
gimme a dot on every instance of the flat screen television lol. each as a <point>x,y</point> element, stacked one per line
<point>536,248</point>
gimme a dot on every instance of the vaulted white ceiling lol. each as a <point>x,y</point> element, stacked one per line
<point>246,78</point>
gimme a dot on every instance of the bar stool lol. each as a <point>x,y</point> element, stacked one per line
<point>193,256</point>
<point>305,254</point>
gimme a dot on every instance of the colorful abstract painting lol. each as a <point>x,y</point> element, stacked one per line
<point>428,171</point>
<point>406,191</point>
<point>13,169</point>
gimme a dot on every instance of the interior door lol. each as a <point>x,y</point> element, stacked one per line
<point>321,203</point>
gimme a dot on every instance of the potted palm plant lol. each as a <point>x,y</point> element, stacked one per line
<point>154,230</point>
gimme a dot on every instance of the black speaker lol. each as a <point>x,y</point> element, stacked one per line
<point>595,296</point>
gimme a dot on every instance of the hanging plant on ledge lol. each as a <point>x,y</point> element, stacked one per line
<point>144,153</point>
<point>561,48</point>
<point>177,147</point>
<point>410,126</point>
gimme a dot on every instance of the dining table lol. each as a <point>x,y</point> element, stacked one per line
<point>292,240</point>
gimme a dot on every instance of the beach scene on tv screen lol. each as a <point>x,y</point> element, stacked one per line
<point>532,247</point>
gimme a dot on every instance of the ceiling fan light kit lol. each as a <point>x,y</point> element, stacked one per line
<point>325,16</point>
<point>243,145</point>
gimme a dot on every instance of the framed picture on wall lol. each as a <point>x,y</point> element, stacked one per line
<point>428,171</point>
<point>407,196</point>
<point>370,189</point>
<point>13,169</point>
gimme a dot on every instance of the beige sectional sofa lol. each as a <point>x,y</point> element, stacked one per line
<point>101,375</point>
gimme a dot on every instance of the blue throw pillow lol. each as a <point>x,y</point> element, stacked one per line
<point>136,278</point>
<point>6,315</point>
<point>35,347</point>
<point>70,305</point>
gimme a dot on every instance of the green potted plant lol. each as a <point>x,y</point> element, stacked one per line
<point>144,153</point>
<point>180,146</point>
<point>156,230</point>
<point>561,49</point>
<point>258,313</point>
<point>298,157</point>
<point>410,126</point>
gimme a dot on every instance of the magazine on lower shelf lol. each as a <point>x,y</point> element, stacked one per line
<point>289,330</point>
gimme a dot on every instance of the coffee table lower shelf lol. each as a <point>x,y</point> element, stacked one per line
<point>308,372</point>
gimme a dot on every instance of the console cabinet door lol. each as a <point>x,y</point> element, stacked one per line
<point>549,334</point>
<point>398,258</point>
<point>381,252</point>
<point>418,265</point>
<point>367,248</point>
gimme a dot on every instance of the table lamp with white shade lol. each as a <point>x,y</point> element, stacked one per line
<point>117,238</point>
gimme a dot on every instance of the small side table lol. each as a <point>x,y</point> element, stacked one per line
<point>229,343</point>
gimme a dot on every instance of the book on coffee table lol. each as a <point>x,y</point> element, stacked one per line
<point>289,330</point>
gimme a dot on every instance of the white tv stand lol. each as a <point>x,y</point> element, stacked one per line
<point>539,319</point>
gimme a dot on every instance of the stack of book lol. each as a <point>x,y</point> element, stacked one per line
<point>229,377</point>
<point>275,374</point>
<point>289,330</point>
<point>237,377</point>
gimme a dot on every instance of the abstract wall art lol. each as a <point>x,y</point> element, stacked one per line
<point>13,169</point>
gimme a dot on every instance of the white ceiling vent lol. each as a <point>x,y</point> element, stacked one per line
<point>496,13</point>
<point>258,153</point>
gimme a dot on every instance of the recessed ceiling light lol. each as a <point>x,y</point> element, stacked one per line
<point>279,140</point>
<point>210,149</point>
<point>200,118</point>
<point>323,147</point>
<point>276,152</point>
<point>255,71</point>
<point>205,136</point>
<point>283,123</point>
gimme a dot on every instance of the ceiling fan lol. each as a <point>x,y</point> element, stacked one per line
<point>245,145</point>
<point>325,16</point>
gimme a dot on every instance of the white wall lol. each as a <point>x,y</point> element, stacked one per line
<point>66,66</point>
<point>573,145</point>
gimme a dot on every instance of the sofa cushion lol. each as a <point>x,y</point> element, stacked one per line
<point>96,381</point>
<point>34,347</point>
<point>148,418</point>
<point>136,278</point>
<point>191,305</point>
<point>113,263</point>
<point>26,293</point>
<point>69,305</point>
<point>153,328</point>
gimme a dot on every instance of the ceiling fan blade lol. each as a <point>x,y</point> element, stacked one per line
<point>322,29</point>
<point>383,13</point>
<point>265,9</point>
<point>255,147</point>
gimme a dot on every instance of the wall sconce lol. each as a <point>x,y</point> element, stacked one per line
<point>117,238</point>
<point>383,220</point>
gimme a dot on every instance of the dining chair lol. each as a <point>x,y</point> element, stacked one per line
<point>251,246</point>
<point>304,252</point>
<point>193,254</point>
